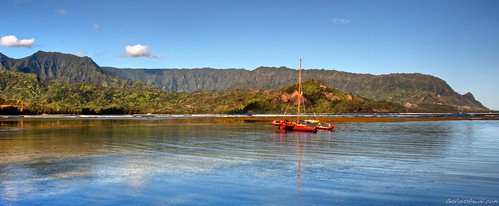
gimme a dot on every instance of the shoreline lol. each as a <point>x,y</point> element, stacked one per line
<point>373,117</point>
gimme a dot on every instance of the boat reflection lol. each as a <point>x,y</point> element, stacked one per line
<point>295,142</point>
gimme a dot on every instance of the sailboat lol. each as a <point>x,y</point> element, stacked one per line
<point>301,125</point>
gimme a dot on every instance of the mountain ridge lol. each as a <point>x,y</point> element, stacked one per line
<point>415,91</point>
<point>411,90</point>
<point>64,68</point>
<point>22,93</point>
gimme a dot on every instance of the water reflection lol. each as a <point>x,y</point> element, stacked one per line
<point>199,162</point>
<point>411,140</point>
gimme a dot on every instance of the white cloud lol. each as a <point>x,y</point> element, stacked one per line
<point>139,50</point>
<point>341,21</point>
<point>80,53</point>
<point>62,11</point>
<point>12,41</point>
<point>97,27</point>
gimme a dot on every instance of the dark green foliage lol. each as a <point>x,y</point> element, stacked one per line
<point>367,107</point>
<point>112,110</point>
<point>436,107</point>
<point>66,68</point>
<point>49,70</point>
<point>61,98</point>
<point>10,110</point>
<point>399,88</point>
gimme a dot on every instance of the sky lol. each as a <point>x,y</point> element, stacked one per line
<point>455,40</point>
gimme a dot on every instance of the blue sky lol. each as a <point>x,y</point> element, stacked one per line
<point>455,40</point>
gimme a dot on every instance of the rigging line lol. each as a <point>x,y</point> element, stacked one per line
<point>289,100</point>
<point>286,111</point>
<point>304,107</point>
<point>313,110</point>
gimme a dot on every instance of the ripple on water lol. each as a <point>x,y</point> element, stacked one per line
<point>157,161</point>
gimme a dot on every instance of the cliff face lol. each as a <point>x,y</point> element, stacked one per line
<point>187,80</point>
<point>64,68</point>
<point>412,90</point>
<point>416,91</point>
<point>5,62</point>
<point>51,66</point>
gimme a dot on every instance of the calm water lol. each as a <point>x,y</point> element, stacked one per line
<point>197,162</point>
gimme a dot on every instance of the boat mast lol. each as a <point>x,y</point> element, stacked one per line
<point>299,91</point>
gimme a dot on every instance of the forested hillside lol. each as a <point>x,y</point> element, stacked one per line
<point>23,94</point>
<point>416,92</point>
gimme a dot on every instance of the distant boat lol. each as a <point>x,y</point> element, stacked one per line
<point>149,115</point>
<point>301,125</point>
<point>294,126</point>
<point>12,116</point>
<point>326,126</point>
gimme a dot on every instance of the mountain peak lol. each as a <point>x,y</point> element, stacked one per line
<point>41,53</point>
<point>45,53</point>
<point>5,62</point>
<point>469,96</point>
<point>56,66</point>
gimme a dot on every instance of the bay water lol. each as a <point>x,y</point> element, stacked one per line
<point>202,161</point>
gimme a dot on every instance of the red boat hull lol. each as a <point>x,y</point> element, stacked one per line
<point>304,128</point>
<point>330,127</point>
<point>293,126</point>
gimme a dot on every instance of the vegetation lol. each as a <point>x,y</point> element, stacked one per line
<point>53,82</point>
<point>61,98</point>
<point>415,90</point>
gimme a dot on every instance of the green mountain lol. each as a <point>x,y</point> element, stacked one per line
<point>417,92</point>
<point>22,93</point>
<point>65,68</point>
